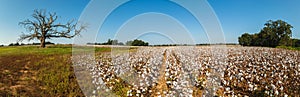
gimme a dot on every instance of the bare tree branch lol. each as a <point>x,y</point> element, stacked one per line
<point>43,26</point>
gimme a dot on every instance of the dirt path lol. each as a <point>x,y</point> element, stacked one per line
<point>161,82</point>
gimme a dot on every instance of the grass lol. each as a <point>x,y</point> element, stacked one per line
<point>56,76</point>
<point>25,50</point>
<point>35,71</point>
<point>50,50</point>
<point>289,48</point>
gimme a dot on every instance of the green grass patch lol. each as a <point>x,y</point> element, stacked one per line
<point>49,50</point>
<point>289,48</point>
<point>56,76</point>
<point>25,50</point>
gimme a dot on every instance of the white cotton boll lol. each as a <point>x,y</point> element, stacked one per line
<point>143,75</point>
<point>158,93</point>
<point>273,86</point>
<point>227,89</point>
<point>138,91</point>
<point>224,81</point>
<point>164,92</point>
<point>129,93</point>
<point>167,73</point>
<point>285,76</point>
<point>267,92</point>
<point>281,88</point>
<point>255,88</point>
<point>276,92</point>
<point>257,78</point>
<point>175,83</point>
<point>141,84</point>
<point>150,91</point>
<point>111,87</point>
<point>251,87</point>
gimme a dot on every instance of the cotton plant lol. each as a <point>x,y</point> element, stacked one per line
<point>238,72</point>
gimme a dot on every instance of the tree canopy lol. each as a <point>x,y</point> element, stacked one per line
<point>274,33</point>
<point>246,39</point>
<point>112,42</point>
<point>137,42</point>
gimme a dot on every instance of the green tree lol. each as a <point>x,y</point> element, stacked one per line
<point>256,41</point>
<point>44,26</point>
<point>112,42</point>
<point>274,33</point>
<point>137,42</point>
<point>245,39</point>
<point>109,42</point>
<point>296,42</point>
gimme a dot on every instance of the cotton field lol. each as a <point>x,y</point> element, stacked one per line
<point>195,71</point>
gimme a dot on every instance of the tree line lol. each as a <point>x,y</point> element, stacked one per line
<point>135,42</point>
<point>20,44</point>
<point>274,33</point>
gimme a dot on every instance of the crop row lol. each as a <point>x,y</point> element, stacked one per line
<point>184,71</point>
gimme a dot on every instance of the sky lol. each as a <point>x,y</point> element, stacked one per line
<point>154,21</point>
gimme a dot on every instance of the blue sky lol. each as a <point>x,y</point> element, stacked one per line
<point>14,11</point>
<point>235,17</point>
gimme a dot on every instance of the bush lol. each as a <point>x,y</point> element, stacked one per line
<point>137,42</point>
<point>109,42</point>
<point>14,44</point>
<point>288,47</point>
<point>40,43</point>
<point>296,43</point>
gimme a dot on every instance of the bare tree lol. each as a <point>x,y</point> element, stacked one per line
<point>43,26</point>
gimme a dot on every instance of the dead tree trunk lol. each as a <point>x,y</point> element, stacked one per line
<point>43,44</point>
